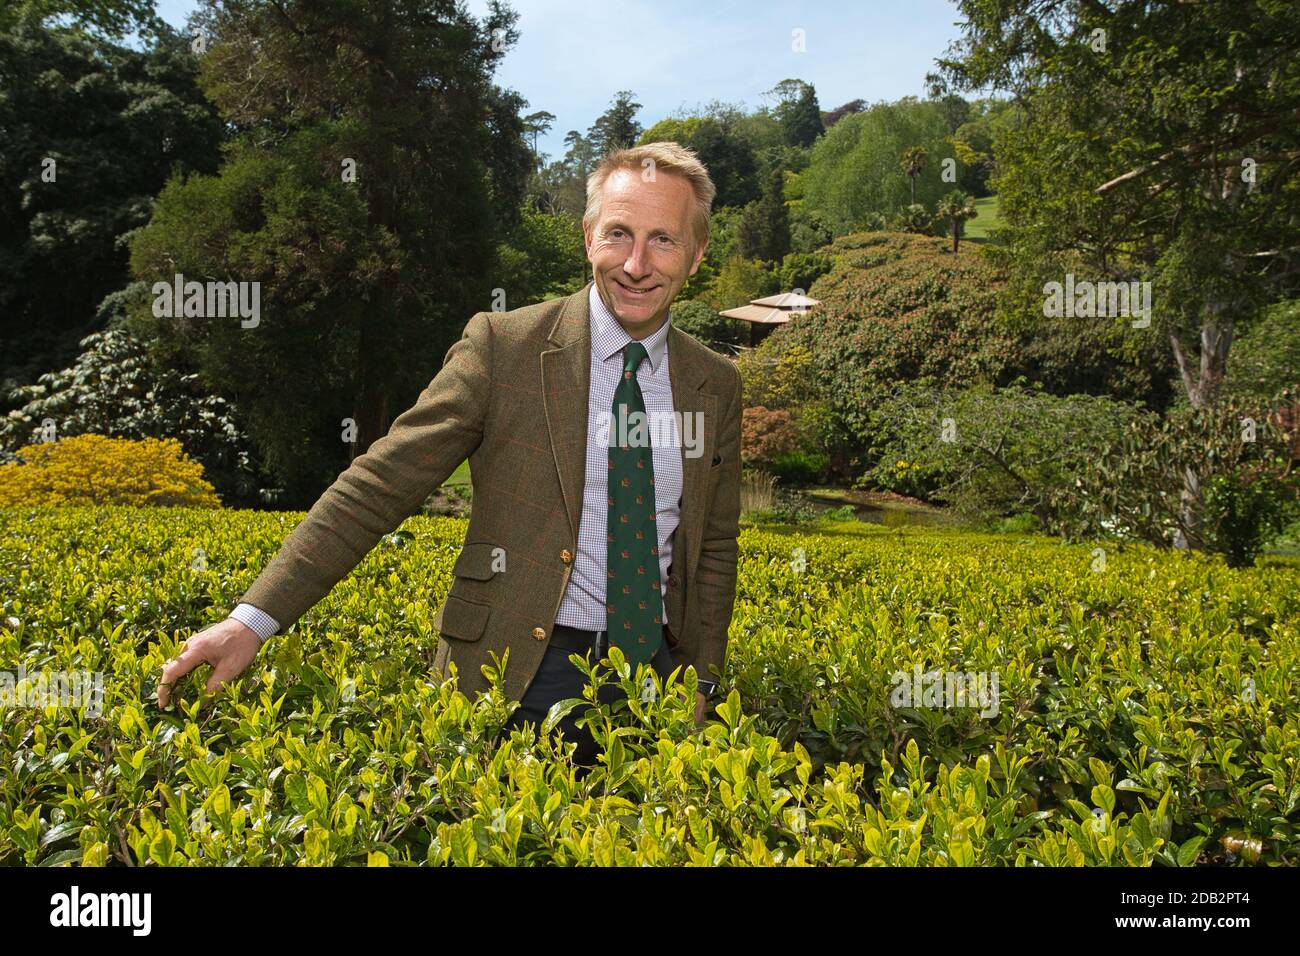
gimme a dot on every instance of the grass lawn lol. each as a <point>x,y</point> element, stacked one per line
<point>989,216</point>
<point>460,476</point>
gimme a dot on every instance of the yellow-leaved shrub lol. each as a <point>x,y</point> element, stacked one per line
<point>98,470</point>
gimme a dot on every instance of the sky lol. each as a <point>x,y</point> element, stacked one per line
<point>574,56</point>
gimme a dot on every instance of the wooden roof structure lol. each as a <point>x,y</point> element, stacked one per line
<point>772,309</point>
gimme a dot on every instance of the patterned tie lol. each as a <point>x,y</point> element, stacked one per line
<point>633,599</point>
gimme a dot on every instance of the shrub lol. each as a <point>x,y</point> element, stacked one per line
<point>788,507</point>
<point>990,451</point>
<point>1241,453</point>
<point>777,380</point>
<point>841,513</point>
<point>799,467</point>
<point>115,388</point>
<point>799,270</point>
<point>765,434</point>
<point>95,470</point>
<point>1244,509</point>
<point>902,309</point>
<point>1146,714</point>
<point>698,319</point>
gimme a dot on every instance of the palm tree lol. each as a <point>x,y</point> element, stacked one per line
<point>956,208</point>
<point>913,163</point>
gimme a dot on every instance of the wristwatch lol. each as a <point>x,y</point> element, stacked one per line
<point>706,687</point>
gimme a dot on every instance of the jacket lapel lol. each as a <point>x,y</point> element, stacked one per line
<point>566,378</point>
<point>692,405</point>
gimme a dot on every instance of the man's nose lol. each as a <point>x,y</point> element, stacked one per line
<point>635,264</point>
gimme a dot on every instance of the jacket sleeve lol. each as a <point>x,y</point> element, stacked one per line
<point>715,573</point>
<point>382,487</point>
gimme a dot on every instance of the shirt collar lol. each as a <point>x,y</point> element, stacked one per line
<point>608,337</point>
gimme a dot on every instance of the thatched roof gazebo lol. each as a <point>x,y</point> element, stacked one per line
<point>767,313</point>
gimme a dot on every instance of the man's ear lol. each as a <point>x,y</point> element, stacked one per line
<point>699,256</point>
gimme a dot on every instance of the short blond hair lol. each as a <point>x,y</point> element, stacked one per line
<point>668,157</point>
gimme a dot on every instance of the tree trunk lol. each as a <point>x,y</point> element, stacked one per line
<point>1202,390</point>
<point>956,231</point>
<point>370,408</point>
<point>1188,536</point>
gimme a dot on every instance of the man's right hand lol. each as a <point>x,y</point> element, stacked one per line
<point>229,646</point>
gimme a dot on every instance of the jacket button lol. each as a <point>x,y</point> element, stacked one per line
<point>672,580</point>
<point>566,555</point>
<point>539,633</point>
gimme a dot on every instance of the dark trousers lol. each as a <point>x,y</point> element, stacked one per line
<point>557,679</point>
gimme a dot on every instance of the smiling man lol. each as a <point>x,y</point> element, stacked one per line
<point>584,534</point>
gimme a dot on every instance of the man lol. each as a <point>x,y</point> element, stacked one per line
<point>588,530</point>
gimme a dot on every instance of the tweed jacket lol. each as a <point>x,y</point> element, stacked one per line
<point>512,397</point>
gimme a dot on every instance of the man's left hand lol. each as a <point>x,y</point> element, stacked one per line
<point>699,707</point>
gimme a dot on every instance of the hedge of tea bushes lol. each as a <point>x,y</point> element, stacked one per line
<point>1147,711</point>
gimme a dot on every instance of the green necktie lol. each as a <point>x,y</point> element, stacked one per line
<point>633,600</point>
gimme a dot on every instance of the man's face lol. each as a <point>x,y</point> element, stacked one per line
<point>641,248</point>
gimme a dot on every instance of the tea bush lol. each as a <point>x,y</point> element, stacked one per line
<point>1146,713</point>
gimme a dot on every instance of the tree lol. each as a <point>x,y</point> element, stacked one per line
<point>913,163</point>
<point>543,257</point>
<point>89,133</point>
<point>738,282</point>
<point>107,19</point>
<point>797,112</point>
<point>616,128</point>
<point>853,169</point>
<point>765,225</point>
<point>364,198</point>
<point>561,186</point>
<point>698,319</point>
<point>534,125</point>
<point>1266,358</point>
<point>1159,143</point>
<point>834,116</point>
<point>914,218</point>
<point>724,152</point>
<point>954,209</point>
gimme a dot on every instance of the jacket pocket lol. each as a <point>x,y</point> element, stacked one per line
<point>463,620</point>
<point>478,559</point>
